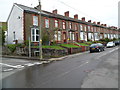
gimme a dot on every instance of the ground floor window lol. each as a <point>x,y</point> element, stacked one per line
<point>57,35</point>
<point>96,36</point>
<point>35,35</point>
<point>82,37</point>
<point>71,35</point>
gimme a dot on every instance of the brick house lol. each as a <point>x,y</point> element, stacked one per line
<point>24,22</point>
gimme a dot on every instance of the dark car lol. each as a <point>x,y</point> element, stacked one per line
<point>97,47</point>
<point>117,43</point>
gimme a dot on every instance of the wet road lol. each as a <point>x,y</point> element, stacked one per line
<point>68,73</point>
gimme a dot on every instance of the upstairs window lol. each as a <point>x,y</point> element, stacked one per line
<point>88,28</point>
<point>70,25</point>
<point>76,26</point>
<point>64,25</point>
<point>56,23</point>
<point>47,23</point>
<point>85,29</point>
<point>35,20</point>
<point>81,27</point>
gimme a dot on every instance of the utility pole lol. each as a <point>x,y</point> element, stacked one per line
<point>40,40</point>
<point>29,48</point>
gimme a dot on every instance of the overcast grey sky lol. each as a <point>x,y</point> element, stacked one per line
<point>105,11</point>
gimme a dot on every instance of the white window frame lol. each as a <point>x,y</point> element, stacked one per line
<point>47,23</point>
<point>81,27</point>
<point>57,35</point>
<point>64,25</point>
<point>56,23</point>
<point>35,35</point>
<point>71,36</point>
<point>35,20</point>
<point>88,28</point>
<point>70,25</point>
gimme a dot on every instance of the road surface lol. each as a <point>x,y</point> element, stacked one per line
<point>72,72</point>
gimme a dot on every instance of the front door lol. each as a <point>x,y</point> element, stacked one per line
<point>64,37</point>
<point>76,37</point>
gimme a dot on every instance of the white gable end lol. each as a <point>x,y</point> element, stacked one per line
<point>15,25</point>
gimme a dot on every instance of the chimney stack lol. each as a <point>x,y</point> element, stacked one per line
<point>105,25</point>
<point>83,18</point>
<point>98,23</point>
<point>54,11</point>
<point>89,21</point>
<point>94,22</point>
<point>76,16</point>
<point>67,14</point>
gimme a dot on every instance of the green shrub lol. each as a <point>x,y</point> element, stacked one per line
<point>50,47</point>
<point>83,44</point>
<point>12,47</point>
<point>27,42</point>
<point>88,43</point>
<point>69,46</point>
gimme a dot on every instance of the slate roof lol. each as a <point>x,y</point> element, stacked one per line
<point>49,14</point>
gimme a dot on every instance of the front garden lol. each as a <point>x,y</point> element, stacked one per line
<point>54,50</point>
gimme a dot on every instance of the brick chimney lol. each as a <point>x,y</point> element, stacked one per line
<point>55,11</point>
<point>89,21</point>
<point>83,18</point>
<point>105,25</point>
<point>98,23</point>
<point>67,14</point>
<point>76,16</point>
<point>94,22</point>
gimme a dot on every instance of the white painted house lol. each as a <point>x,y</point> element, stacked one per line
<point>15,25</point>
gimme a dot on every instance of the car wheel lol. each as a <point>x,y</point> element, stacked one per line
<point>90,51</point>
<point>99,50</point>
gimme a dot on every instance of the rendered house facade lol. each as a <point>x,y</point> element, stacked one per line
<point>24,22</point>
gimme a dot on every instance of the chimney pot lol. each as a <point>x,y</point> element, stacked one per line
<point>98,23</point>
<point>55,11</point>
<point>76,16</point>
<point>67,14</point>
<point>89,20</point>
<point>94,22</point>
<point>83,18</point>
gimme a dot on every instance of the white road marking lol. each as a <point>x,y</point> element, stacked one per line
<point>38,63</point>
<point>10,65</point>
<point>8,70</point>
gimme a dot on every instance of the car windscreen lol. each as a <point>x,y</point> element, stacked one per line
<point>93,45</point>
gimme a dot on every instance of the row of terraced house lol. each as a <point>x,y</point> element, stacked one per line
<point>24,22</point>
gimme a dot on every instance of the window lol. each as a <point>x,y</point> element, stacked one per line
<point>76,27</point>
<point>88,28</point>
<point>82,35</point>
<point>64,25</point>
<point>72,36</point>
<point>47,23</point>
<point>85,28</point>
<point>56,23</point>
<point>94,29</point>
<point>81,27</point>
<point>57,35</point>
<point>35,20</point>
<point>70,25</point>
<point>35,35</point>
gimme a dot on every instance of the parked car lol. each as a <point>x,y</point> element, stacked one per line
<point>110,44</point>
<point>97,47</point>
<point>117,43</point>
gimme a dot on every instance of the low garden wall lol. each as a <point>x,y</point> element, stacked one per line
<point>20,51</point>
